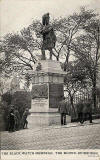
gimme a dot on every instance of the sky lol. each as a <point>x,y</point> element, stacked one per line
<point>17,14</point>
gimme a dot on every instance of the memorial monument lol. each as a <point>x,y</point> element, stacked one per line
<point>47,81</point>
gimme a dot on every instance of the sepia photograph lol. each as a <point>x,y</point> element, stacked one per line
<point>50,78</point>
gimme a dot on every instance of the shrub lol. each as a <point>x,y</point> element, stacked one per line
<point>20,99</point>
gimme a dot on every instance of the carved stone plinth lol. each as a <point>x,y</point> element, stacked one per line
<point>47,90</point>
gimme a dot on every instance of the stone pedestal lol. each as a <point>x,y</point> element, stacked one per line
<point>45,119</point>
<point>47,90</point>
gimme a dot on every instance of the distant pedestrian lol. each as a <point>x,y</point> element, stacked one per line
<point>80,107</point>
<point>87,110</point>
<point>24,118</point>
<point>17,119</point>
<point>62,108</point>
<point>11,120</point>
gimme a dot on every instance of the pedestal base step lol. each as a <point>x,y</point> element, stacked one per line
<point>36,120</point>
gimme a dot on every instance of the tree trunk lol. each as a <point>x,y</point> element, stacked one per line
<point>57,58</point>
<point>94,94</point>
<point>71,100</point>
<point>67,59</point>
<point>95,71</point>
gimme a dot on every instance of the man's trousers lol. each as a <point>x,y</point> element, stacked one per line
<point>63,118</point>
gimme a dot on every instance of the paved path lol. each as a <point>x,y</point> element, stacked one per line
<point>71,136</point>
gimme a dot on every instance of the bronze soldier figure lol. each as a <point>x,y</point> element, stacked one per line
<point>49,37</point>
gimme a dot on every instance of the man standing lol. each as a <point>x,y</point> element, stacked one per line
<point>80,107</point>
<point>24,118</point>
<point>11,120</point>
<point>87,110</point>
<point>17,120</point>
<point>62,108</point>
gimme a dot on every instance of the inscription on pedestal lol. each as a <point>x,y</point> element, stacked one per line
<point>39,105</point>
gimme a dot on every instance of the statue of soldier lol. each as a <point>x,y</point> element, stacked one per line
<point>49,37</point>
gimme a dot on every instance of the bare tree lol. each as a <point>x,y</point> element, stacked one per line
<point>19,48</point>
<point>87,49</point>
<point>67,30</point>
<point>74,82</point>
